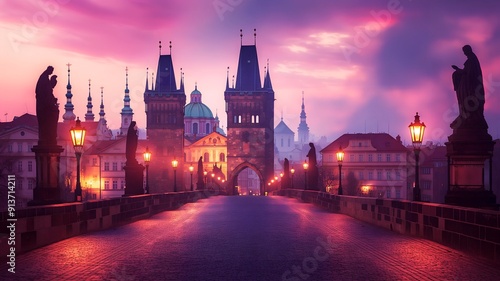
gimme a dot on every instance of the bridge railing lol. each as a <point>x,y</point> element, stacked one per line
<point>475,231</point>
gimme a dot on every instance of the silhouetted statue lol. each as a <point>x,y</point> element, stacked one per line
<point>47,111</point>
<point>285,181</point>
<point>313,174</point>
<point>131,145</point>
<point>201,183</point>
<point>468,84</point>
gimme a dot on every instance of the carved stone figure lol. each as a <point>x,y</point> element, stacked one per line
<point>47,110</point>
<point>468,84</point>
<point>131,145</point>
<point>312,173</point>
<point>200,185</point>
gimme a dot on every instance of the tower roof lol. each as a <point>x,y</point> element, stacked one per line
<point>248,76</point>
<point>282,128</point>
<point>165,75</point>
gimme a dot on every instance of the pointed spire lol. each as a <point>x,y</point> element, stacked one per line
<point>147,78</point>
<point>127,112</point>
<point>255,36</point>
<point>227,79</point>
<point>89,116</point>
<point>303,129</point>
<point>182,80</point>
<point>267,80</point>
<point>159,45</point>
<point>68,107</point>
<point>101,112</point>
<point>241,37</point>
<point>233,81</point>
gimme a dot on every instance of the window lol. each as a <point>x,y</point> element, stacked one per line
<point>281,142</point>
<point>288,142</point>
<point>360,158</point>
<point>31,183</point>
<point>9,148</point>
<point>20,166</point>
<point>351,157</point>
<point>388,193</point>
<point>253,120</point>
<point>239,119</point>
<point>19,183</point>
<point>19,147</point>
<point>94,161</point>
<point>106,166</point>
<point>426,170</point>
<point>398,194</point>
<point>370,158</point>
<point>207,128</point>
<point>398,158</point>
<point>379,157</point>
<point>222,157</point>
<point>388,176</point>
<point>388,158</point>
<point>122,184</point>
<point>257,119</point>
<point>106,184</point>
<point>115,166</point>
<point>398,175</point>
<point>30,166</point>
<point>361,175</point>
<point>195,128</point>
<point>206,157</point>
<point>379,175</point>
<point>370,175</point>
<point>426,184</point>
<point>115,184</point>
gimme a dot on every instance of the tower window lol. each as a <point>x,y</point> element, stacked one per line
<point>207,128</point>
<point>195,128</point>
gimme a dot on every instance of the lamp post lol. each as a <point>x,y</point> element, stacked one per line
<point>340,160</point>
<point>174,165</point>
<point>191,169</point>
<point>78,137</point>
<point>305,165</point>
<point>205,174</point>
<point>147,158</point>
<point>417,136</point>
<point>293,172</point>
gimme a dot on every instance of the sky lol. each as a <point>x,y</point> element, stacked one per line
<point>363,66</point>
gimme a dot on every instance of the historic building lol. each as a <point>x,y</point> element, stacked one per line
<point>375,164</point>
<point>198,118</point>
<point>303,129</point>
<point>165,126</point>
<point>250,121</point>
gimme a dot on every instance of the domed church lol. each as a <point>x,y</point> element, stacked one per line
<point>199,120</point>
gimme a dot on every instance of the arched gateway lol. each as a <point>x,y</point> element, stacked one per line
<point>250,121</point>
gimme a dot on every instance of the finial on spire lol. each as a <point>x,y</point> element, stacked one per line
<point>233,81</point>
<point>126,77</point>
<point>160,46</point>
<point>255,36</point>
<point>170,46</point>
<point>147,78</point>
<point>89,87</point>
<point>281,114</point>
<point>152,81</point>
<point>69,84</point>
<point>241,36</point>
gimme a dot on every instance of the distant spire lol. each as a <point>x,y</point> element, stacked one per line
<point>267,80</point>
<point>89,116</point>
<point>241,37</point>
<point>303,129</point>
<point>101,112</point>
<point>127,112</point>
<point>233,81</point>
<point>255,36</point>
<point>227,79</point>
<point>147,76</point>
<point>68,107</point>
<point>159,44</point>
<point>281,114</point>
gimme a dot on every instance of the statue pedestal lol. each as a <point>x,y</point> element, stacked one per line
<point>467,152</point>
<point>47,189</point>
<point>134,175</point>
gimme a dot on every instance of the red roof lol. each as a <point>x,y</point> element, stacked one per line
<point>380,141</point>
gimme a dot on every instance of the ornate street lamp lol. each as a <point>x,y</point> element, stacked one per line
<point>306,166</point>
<point>78,138</point>
<point>293,172</point>
<point>191,169</point>
<point>174,165</point>
<point>417,136</point>
<point>340,160</point>
<point>147,159</point>
<point>205,174</point>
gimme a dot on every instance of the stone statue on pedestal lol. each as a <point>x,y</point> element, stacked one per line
<point>47,111</point>
<point>312,173</point>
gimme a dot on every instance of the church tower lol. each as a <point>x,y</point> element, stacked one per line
<point>165,126</point>
<point>127,112</point>
<point>68,115</point>
<point>250,121</point>
<point>303,129</point>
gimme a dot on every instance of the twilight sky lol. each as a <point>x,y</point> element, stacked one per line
<point>364,66</point>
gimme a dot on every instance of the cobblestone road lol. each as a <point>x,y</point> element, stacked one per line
<point>248,238</point>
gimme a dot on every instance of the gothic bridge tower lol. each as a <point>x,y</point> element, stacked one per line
<point>165,126</point>
<point>250,121</point>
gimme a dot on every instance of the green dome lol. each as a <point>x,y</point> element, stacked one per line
<point>197,110</point>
